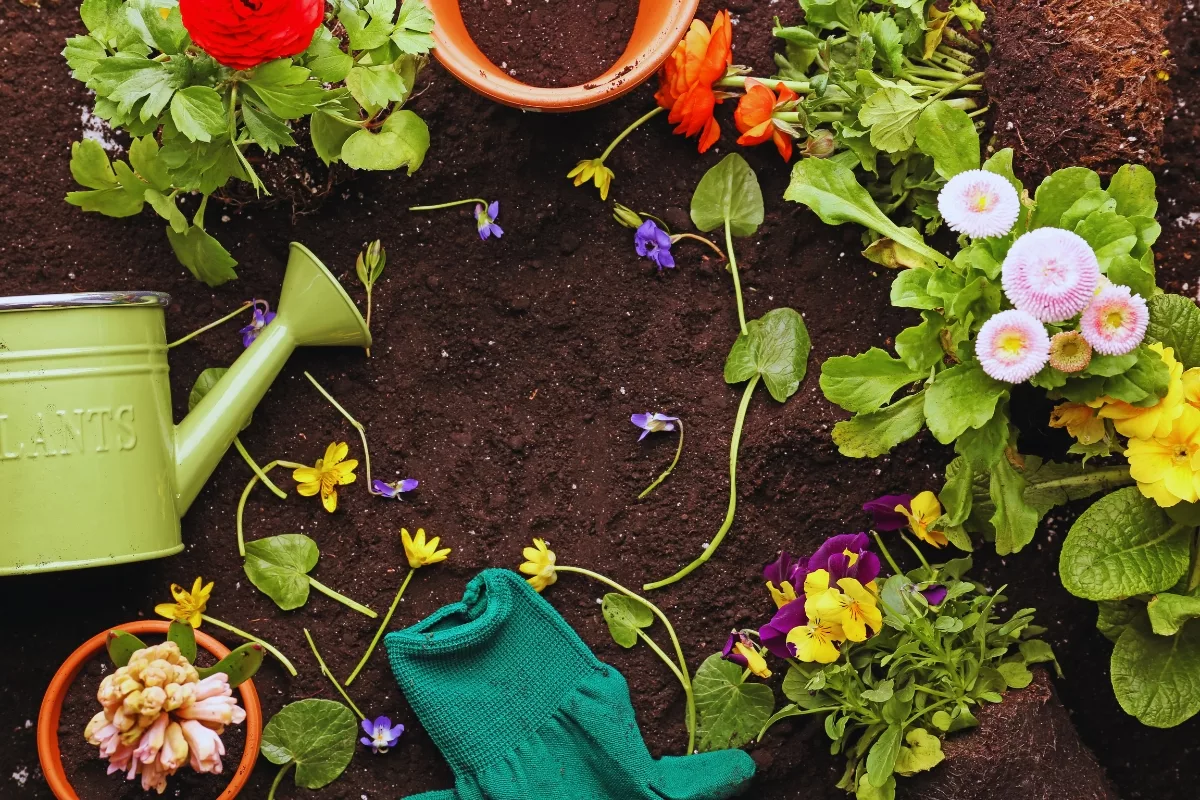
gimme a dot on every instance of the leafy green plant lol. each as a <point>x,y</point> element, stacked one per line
<point>315,737</point>
<point>732,709</point>
<point>279,567</point>
<point>197,125</point>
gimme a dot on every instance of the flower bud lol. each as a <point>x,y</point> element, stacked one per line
<point>1070,352</point>
<point>626,216</point>
<point>820,144</point>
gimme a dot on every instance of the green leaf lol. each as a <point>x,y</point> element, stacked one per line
<point>881,693</point>
<point>731,711</point>
<point>910,289</point>
<point>775,346</point>
<point>127,79</point>
<point>240,665</point>
<point>143,157</point>
<point>1117,615</point>
<point>401,142</point>
<point>1109,234</point>
<point>1014,519</point>
<point>891,114</point>
<point>832,14</point>
<point>920,346</point>
<point>1035,651</point>
<point>1170,612</point>
<point>166,34</point>
<point>1174,321</point>
<point>325,57</point>
<point>625,617</point>
<point>959,398</point>
<point>835,195</point>
<point>91,167</point>
<point>83,53</point>
<point>948,135</point>
<point>203,255</point>
<point>1059,191</point>
<point>868,791</point>
<point>881,759</point>
<point>1088,203</point>
<point>198,113</point>
<point>865,382</point>
<point>1125,270</point>
<point>286,89</point>
<point>318,735</point>
<point>1015,674</point>
<point>923,752</point>
<point>728,192</point>
<point>279,567</point>
<point>1123,545</point>
<point>165,207</point>
<point>328,135</point>
<point>414,25</point>
<point>375,87</point>
<point>885,33</point>
<point>1133,189</point>
<point>876,433</point>
<point>184,636</point>
<point>1001,163</point>
<point>121,646</point>
<point>267,130</point>
<point>1157,678</point>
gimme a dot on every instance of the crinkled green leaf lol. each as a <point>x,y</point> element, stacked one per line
<point>885,33</point>
<point>414,27</point>
<point>920,346</point>
<point>832,14</point>
<point>731,711</point>
<point>1088,203</point>
<point>287,89</point>
<point>1059,191</point>
<point>625,617</point>
<point>1170,612</point>
<point>865,382</point>
<point>83,53</point>
<point>1157,678</point>
<point>1117,615</point>
<point>948,135</point>
<point>318,735</point>
<point>1109,234</point>
<point>891,115</point>
<point>728,191</point>
<point>876,433</point>
<point>959,398</point>
<point>1174,321</point>
<point>775,346</point>
<point>401,142</point>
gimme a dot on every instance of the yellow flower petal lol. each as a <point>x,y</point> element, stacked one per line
<point>329,500</point>
<point>306,475</point>
<point>335,453</point>
<point>308,489</point>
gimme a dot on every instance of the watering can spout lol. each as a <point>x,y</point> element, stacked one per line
<point>313,310</point>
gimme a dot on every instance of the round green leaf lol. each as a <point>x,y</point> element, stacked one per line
<point>279,567</point>
<point>732,712</point>
<point>401,142</point>
<point>319,735</point>
<point>775,346</point>
<point>728,191</point>
<point>625,617</point>
<point>1157,678</point>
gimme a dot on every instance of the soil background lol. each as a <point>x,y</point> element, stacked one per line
<point>503,377</point>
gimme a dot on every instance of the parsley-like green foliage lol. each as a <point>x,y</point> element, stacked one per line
<point>198,125</point>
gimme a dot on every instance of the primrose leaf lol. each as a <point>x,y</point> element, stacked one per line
<point>318,735</point>
<point>279,567</point>
<point>728,192</point>
<point>121,646</point>
<point>1133,189</point>
<point>1059,191</point>
<point>920,346</point>
<point>625,617</point>
<point>1170,612</point>
<point>732,712</point>
<point>1122,546</point>
<point>401,142</point>
<point>1174,321</point>
<point>1157,678</point>
<point>184,637</point>
<point>865,382</point>
<point>775,346</point>
<point>834,194</point>
<point>923,752</point>
<point>876,433</point>
<point>205,257</point>
<point>1115,616</point>
<point>959,398</point>
<point>1109,234</point>
<point>948,136</point>
<point>891,114</point>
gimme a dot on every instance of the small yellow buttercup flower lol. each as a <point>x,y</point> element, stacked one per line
<point>420,552</point>
<point>539,565</point>
<point>326,475</point>
<point>593,169</point>
<point>188,606</point>
<point>922,512</point>
<point>1167,468</point>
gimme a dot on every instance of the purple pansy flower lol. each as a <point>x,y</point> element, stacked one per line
<point>395,488</point>
<point>883,510</point>
<point>934,594</point>
<point>786,568</point>
<point>654,243</point>
<point>846,555</point>
<point>653,423</point>
<point>730,654</point>
<point>262,318</point>
<point>380,734</point>
<point>773,635</point>
<point>485,220</point>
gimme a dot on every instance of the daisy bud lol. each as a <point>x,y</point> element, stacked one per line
<point>1115,321</point>
<point>1070,352</point>
<point>1012,346</point>
<point>1050,273</point>
<point>820,144</point>
<point>979,203</point>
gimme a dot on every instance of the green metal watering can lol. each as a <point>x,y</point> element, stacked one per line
<point>93,469</point>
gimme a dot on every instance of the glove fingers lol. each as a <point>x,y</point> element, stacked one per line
<point>706,776</point>
<point>440,794</point>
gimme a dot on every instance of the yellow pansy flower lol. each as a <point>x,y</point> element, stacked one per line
<point>922,512</point>
<point>817,641</point>
<point>853,608</point>
<point>419,552</point>
<point>188,606</point>
<point>1080,420</point>
<point>783,595</point>
<point>326,475</point>
<point>754,660</point>
<point>1167,468</point>
<point>539,565</point>
<point>593,169</point>
<point>1154,421</point>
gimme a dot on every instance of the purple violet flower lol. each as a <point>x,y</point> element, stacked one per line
<point>654,243</point>
<point>261,318</point>
<point>380,734</point>
<point>485,220</point>
<point>395,488</point>
<point>730,654</point>
<point>883,510</point>
<point>773,635</point>
<point>653,423</point>
<point>934,594</point>
<point>846,555</point>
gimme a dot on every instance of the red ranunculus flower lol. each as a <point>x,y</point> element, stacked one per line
<point>245,33</point>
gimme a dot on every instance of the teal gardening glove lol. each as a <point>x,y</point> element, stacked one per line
<point>522,710</point>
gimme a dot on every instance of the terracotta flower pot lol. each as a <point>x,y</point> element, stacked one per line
<point>52,703</point>
<point>659,27</point>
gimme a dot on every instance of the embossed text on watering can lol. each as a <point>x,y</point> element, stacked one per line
<point>80,432</point>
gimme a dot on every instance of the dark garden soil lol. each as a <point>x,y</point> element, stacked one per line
<point>86,772</point>
<point>503,376</point>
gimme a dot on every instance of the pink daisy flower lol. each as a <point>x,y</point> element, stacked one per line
<point>1012,346</point>
<point>1051,273</point>
<point>979,204</point>
<point>1115,322</point>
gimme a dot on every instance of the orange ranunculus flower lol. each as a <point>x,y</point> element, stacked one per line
<point>687,78</point>
<point>753,116</point>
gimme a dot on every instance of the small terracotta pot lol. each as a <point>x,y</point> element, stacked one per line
<point>47,731</point>
<point>659,27</point>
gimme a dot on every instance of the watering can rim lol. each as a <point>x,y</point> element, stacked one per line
<point>46,302</point>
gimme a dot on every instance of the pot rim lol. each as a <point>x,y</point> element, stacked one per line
<point>40,302</point>
<point>51,710</point>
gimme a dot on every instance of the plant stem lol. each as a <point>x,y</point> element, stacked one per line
<point>954,52</point>
<point>368,288</point>
<point>978,112</point>
<point>211,325</point>
<point>886,554</point>
<point>241,508</point>
<point>737,284</point>
<point>682,673</point>
<point>676,237</point>
<point>739,82</point>
<point>920,555</point>
<point>328,674</point>
<point>728,523</point>
<point>634,126</point>
<point>950,62</point>
<point>658,650</point>
<point>341,598</point>
<point>265,645</point>
<point>790,710</point>
<point>358,426</point>
<point>663,477</point>
<point>387,618</point>
<point>262,476</point>
<point>961,103</point>
<point>451,204</point>
<point>279,777</point>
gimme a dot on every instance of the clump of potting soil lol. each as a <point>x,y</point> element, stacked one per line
<point>551,42</point>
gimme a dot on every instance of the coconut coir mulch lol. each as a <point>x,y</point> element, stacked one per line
<point>502,377</point>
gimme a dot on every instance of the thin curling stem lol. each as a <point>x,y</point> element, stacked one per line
<point>241,507</point>
<point>677,236</point>
<point>737,284</point>
<point>358,426</point>
<point>451,204</point>
<point>663,477</point>
<point>211,325</point>
<point>328,674</point>
<point>262,476</point>
<point>632,127</point>
<point>341,598</point>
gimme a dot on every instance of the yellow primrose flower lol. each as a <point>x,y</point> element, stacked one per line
<point>1167,468</point>
<point>188,606</point>
<point>593,170</point>
<point>421,553</point>
<point>1154,421</point>
<point>1080,420</point>
<point>1191,387</point>
<point>754,660</point>
<point>539,564</point>
<point>853,608</point>
<point>924,511</point>
<point>817,641</point>
<point>326,475</point>
<point>783,595</point>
